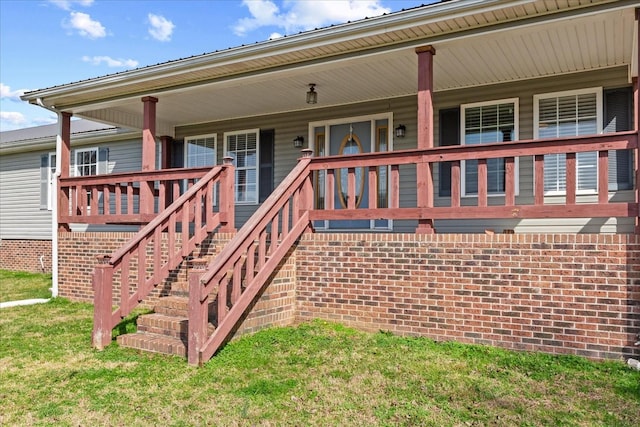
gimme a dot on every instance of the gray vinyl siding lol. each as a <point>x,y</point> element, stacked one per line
<point>20,213</point>
<point>288,126</point>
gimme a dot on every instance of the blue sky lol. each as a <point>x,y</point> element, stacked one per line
<point>45,43</point>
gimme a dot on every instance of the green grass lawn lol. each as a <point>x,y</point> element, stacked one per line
<point>319,373</point>
<point>18,285</point>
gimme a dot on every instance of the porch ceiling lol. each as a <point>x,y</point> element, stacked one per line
<point>463,60</point>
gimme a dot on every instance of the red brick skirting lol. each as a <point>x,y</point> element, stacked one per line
<point>25,255</point>
<point>572,294</point>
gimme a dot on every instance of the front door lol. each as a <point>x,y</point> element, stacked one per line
<point>346,138</point>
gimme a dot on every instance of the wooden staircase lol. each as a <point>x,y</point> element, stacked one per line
<point>166,329</point>
<point>203,312</point>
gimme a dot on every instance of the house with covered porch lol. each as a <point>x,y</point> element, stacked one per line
<point>463,170</point>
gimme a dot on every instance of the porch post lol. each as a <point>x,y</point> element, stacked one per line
<point>424,181</point>
<point>165,160</point>
<point>636,115</point>
<point>148,152</point>
<point>64,165</point>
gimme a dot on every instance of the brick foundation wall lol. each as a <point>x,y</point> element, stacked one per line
<point>570,294</point>
<point>25,255</point>
<point>78,253</point>
<point>573,294</point>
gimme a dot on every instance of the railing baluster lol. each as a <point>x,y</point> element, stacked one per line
<point>118,197</point>
<point>510,181</point>
<point>395,186</point>
<point>236,281</point>
<point>157,253</point>
<point>329,201</point>
<point>274,234</point>
<point>603,176</point>
<point>106,199</point>
<point>285,218</point>
<point>251,262</point>
<point>538,179</point>
<point>482,182</point>
<point>373,187</point>
<point>262,248</point>
<point>208,207</point>
<point>455,184</point>
<point>142,265</point>
<point>571,178</point>
<point>351,188</point>
<point>124,283</point>
<point>130,210</point>
<point>95,198</point>
<point>222,298</point>
<point>185,228</point>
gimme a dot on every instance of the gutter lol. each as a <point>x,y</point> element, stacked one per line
<point>54,208</point>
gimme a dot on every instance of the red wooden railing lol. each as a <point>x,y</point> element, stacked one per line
<point>159,247</point>
<point>241,269</point>
<point>125,198</point>
<point>540,208</point>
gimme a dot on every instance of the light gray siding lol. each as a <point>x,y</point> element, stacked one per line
<point>20,213</point>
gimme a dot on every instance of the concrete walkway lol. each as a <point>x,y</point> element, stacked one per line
<point>24,302</point>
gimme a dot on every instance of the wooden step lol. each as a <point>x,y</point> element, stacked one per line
<point>154,343</point>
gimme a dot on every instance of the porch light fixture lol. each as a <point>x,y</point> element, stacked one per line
<point>312,95</point>
<point>401,130</point>
<point>298,141</point>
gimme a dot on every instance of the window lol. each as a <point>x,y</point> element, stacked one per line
<point>200,151</point>
<point>564,114</point>
<point>86,162</point>
<point>486,123</point>
<point>242,146</point>
<point>47,173</point>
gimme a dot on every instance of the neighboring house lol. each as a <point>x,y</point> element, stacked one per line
<point>27,170</point>
<point>507,128</point>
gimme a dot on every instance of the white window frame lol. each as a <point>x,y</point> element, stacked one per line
<point>514,137</point>
<point>77,153</point>
<point>196,137</point>
<point>599,126</point>
<point>256,199</point>
<point>51,171</point>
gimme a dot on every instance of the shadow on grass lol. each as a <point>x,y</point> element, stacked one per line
<point>128,325</point>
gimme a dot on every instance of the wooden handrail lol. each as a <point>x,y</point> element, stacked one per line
<point>243,266</point>
<point>194,214</point>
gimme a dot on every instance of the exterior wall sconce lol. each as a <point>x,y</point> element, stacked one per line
<point>401,130</point>
<point>312,95</point>
<point>298,141</point>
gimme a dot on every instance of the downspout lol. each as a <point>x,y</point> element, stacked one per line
<point>54,202</point>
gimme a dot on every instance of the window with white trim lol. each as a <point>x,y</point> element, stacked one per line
<point>47,173</point>
<point>242,146</point>
<point>86,162</point>
<point>486,123</point>
<point>565,114</point>
<point>200,151</point>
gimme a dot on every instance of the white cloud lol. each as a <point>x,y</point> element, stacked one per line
<point>12,95</point>
<point>160,27</point>
<point>110,62</point>
<point>301,15</point>
<point>86,26</point>
<point>67,4</point>
<point>12,118</point>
